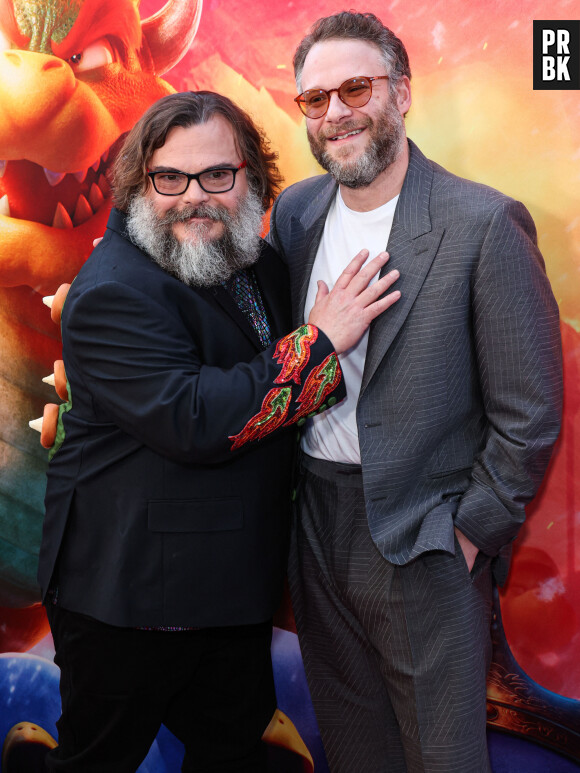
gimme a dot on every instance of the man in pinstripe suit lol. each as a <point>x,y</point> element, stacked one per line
<point>413,489</point>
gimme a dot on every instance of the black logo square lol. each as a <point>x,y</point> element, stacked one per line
<point>556,54</point>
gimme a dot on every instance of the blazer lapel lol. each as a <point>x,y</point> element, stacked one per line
<point>412,247</point>
<point>305,236</point>
<point>221,296</point>
<point>272,275</point>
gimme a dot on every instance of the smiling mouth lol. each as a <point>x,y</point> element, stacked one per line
<point>352,133</point>
<point>199,223</point>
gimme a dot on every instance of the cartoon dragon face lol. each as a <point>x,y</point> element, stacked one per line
<point>75,75</point>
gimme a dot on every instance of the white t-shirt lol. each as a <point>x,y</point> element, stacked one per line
<point>333,435</point>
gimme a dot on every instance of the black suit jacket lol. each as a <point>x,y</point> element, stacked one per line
<point>461,395</point>
<point>168,494</point>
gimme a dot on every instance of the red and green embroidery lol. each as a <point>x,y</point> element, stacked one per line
<point>293,353</point>
<point>321,381</point>
<point>272,415</point>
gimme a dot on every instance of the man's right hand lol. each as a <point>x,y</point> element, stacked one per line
<point>345,312</point>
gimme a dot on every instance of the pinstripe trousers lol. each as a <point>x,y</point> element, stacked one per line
<point>396,657</point>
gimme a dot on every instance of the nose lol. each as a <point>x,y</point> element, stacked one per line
<point>195,194</point>
<point>337,108</point>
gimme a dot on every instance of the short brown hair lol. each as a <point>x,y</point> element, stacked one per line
<point>350,25</point>
<point>189,108</point>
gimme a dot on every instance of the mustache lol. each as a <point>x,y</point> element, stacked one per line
<point>174,215</point>
<point>348,126</point>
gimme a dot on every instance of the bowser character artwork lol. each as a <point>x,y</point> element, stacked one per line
<point>75,75</point>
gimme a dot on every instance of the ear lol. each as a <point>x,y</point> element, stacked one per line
<point>404,95</point>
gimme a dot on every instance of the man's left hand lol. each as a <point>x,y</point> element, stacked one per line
<point>468,548</point>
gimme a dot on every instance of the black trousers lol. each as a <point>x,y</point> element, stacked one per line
<point>213,688</point>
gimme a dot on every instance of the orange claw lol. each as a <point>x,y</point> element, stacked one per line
<point>49,425</point>
<point>58,303</point>
<point>60,380</point>
<point>282,732</point>
<point>24,744</point>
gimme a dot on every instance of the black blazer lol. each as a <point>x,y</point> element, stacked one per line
<point>168,494</point>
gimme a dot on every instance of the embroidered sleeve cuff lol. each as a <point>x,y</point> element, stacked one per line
<point>309,381</point>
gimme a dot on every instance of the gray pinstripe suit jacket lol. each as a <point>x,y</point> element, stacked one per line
<point>460,402</point>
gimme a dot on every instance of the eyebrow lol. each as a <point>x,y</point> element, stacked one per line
<point>212,168</point>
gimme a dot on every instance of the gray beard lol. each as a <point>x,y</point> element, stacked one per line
<point>387,140</point>
<point>198,262</point>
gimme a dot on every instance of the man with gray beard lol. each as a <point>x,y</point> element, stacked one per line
<point>196,261</point>
<point>413,488</point>
<point>167,504</point>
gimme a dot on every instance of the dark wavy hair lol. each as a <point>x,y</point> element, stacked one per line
<point>190,108</point>
<point>350,25</point>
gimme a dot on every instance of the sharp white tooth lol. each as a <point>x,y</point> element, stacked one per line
<point>96,198</point>
<point>49,380</point>
<point>105,155</point>
<point>4,206</point>
<point>36,424</point>
<point>80,176</point>
<point>3,165</point>
<point>103,185</point>
<point>61,217</point>
<point>83,211</point>
<point>96,165</point>
<point>53,177</point>
<point>47,300</point>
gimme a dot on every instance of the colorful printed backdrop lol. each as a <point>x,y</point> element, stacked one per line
<point>474,111</point>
